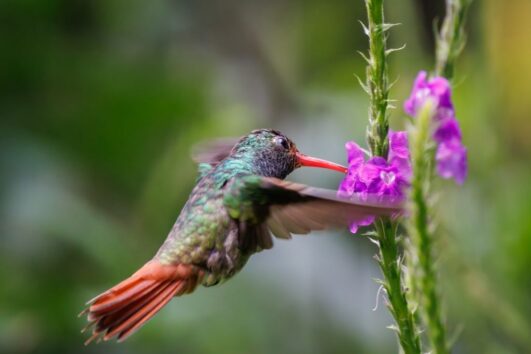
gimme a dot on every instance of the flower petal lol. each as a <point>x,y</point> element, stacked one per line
<point>438,89</point>
<point>411,104</point>
<point>365,222</point>
<point>370,171</point>
<point>346,187</point>
<point>398,145</point>
<point>448,131</point>
<point>355,155</point>
<point>452,161</point>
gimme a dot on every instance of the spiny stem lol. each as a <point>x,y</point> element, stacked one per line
<point>377,79</point>
<point>421,258</point>
<point>391,267</point>
<point>377,86</point>
<point>451,38</point>
<point>450,42</point>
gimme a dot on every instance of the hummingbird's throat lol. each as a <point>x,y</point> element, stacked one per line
<point>308,161</point>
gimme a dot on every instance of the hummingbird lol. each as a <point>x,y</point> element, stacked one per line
<point>239,202</point>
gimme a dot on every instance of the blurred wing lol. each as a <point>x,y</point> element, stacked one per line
<point>213,151</point>
<point>293,208</point>
<point>299,209</point>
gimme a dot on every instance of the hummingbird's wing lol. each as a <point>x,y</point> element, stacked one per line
<point>209,153</point>
<point>213,151</point>
<point>292,208</point>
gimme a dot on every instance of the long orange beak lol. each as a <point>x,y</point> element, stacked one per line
<point>309,161</point>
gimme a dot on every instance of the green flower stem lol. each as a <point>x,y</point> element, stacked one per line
<point>451,38</point>
<point>420,255</point>
<point>377,86</point>
<point>450,42</point>
<point>377,79</point>
<point>391,267</point>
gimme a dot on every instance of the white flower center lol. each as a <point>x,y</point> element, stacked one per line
<point>387,177</point>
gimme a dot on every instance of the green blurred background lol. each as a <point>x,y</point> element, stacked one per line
<point>101,101</point>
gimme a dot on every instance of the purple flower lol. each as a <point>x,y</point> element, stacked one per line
<point>451,156</point>
<point>398,145</point>
<point>355,155</point>
<point>447,131</point>
<point>399,152</point>
<point>436,89</point>
<point>383,179</point>
<point>364,222</point>
<point>377,179</point>
<point>451,160</point>
<point>355,159</point>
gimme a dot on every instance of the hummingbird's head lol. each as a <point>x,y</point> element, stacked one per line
<point>275,155</point>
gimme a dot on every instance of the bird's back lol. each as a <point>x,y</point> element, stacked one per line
<point>204,234</point>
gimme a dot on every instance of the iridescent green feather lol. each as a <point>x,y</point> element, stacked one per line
<point>204,223</point>
<point>221,224</point>
<point>242,199</point>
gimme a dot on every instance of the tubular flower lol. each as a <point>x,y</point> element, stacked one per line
<point>377,178</point>
<point>452,161</point>
<point>451,156</point>
<point>436,89</point>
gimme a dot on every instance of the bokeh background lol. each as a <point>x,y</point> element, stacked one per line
<point>101,101</point>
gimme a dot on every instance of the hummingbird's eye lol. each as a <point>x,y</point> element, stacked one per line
<point>281,142</point>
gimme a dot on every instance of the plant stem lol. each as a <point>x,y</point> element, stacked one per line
<point>391,266</point>
<point>377,86</point>
<point>451,38</point>
<point>421,257</point>
<point>377,79</point>
<point>450,42</point>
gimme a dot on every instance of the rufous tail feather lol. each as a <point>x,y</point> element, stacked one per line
<point>123,309</point>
